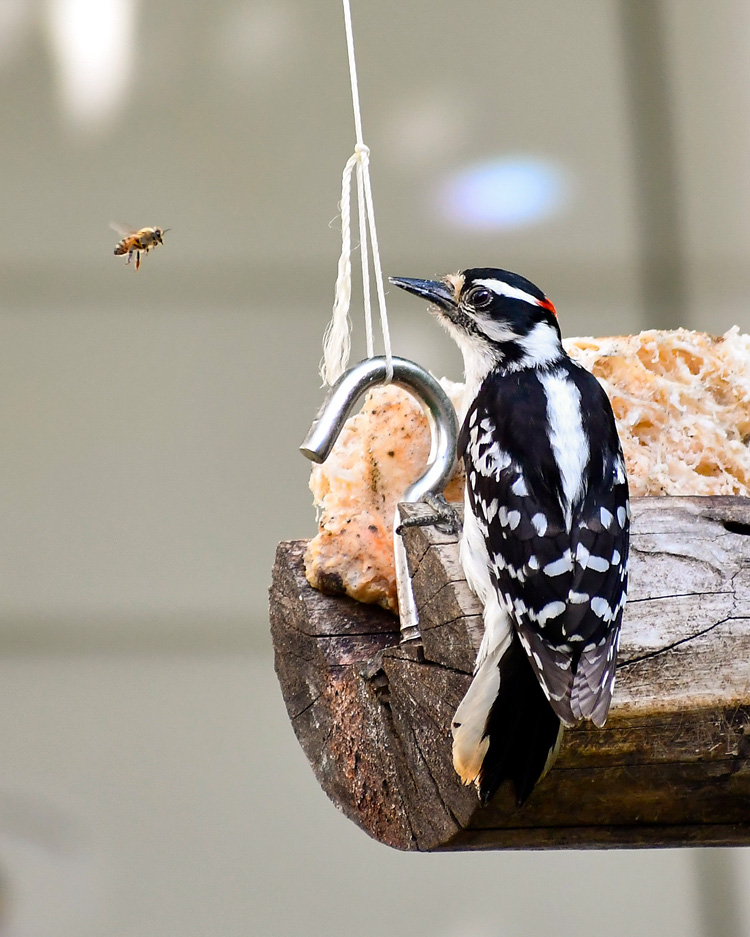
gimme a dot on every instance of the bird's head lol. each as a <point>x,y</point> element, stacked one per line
<point>496,317</point>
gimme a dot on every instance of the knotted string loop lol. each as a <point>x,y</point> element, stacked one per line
<point>337,338</point>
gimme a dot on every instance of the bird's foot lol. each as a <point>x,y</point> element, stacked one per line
<point>443,516</point>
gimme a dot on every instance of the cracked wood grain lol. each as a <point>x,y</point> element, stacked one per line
<point>672,765</point>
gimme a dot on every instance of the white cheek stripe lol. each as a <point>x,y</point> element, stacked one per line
<point>504,289</point>
<point>495,331</point>
<point>567,438</point>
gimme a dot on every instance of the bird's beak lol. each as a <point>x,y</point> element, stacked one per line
<point>435,291</point>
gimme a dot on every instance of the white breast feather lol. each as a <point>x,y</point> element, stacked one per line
<point>476,566</point>
<point>470,743</point>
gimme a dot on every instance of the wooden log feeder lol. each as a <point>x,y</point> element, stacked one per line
<point>672,765</point>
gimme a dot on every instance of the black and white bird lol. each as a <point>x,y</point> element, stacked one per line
<point>546,528</point>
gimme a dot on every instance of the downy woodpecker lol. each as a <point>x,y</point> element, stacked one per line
<point>546,525</point>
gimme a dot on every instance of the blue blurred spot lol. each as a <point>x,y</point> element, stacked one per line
<point>504,193</point>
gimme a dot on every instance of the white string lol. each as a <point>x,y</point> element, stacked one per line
<point>364,254</point>
<point>337,338</point>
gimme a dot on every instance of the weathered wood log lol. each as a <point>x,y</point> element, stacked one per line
<point>671,767</point>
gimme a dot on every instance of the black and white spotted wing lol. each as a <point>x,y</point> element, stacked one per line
<point>558,556</point>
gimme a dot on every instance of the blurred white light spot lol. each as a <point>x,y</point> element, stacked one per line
<point>504,193</point>
<point>93,44</point>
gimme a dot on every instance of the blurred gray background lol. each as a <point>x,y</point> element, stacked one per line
<point>150,784</point>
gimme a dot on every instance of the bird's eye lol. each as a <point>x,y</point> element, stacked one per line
<point>479,297</point>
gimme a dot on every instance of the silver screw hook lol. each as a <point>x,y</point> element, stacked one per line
<point>328,423</point>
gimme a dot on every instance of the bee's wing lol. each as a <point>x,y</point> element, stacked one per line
<point>122,229</point>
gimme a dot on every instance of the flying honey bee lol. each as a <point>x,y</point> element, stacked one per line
<point>137,241</point>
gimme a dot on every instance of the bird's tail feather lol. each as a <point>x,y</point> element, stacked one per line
<point>505,728</point>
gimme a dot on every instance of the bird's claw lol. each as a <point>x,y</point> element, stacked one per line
<point>443,516</point>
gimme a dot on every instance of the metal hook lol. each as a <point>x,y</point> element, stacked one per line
<point>328,423</point>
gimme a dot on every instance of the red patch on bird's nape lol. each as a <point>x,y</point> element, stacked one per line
<point>549,305</point>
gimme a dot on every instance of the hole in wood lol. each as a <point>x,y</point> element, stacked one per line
<point>735,527</point>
